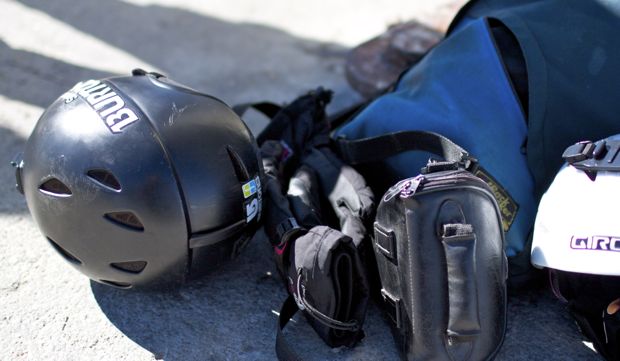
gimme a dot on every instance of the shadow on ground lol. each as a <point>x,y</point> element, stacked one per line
<point>540,328</point>
<point>233,61</point>
<point>224,315</point>
<point>37,79</point>
<point>230,314</point>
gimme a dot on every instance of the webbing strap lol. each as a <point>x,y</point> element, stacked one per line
<point>288,310</point>
<point>267,108</point>
<point>270,110</point>
<point>378,148</point>
<point>283,349</point>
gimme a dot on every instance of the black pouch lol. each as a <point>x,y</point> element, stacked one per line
<point>439,247</point>
<point>326,281</point>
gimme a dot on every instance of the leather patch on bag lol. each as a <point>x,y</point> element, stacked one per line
<point>507,205</point>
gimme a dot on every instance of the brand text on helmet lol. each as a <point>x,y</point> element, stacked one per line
<point>109,105</point>
<point>599,243</point>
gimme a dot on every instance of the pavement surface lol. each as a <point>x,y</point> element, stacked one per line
<point>239,51</point>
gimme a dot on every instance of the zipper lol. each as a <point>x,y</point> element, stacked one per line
<point>422,182</point>
<point>411,186</point>
<point>408,185</point>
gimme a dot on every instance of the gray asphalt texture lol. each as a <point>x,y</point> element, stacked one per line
<point>239,51</point>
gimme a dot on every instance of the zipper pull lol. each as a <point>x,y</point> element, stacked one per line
<point>406,188</point>
<point>411,185</point>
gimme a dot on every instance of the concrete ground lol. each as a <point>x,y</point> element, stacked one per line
<point>239,51</point>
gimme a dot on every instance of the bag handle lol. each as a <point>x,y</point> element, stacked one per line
<point>459,240</point>
<point>459,243</point>
<point>377,148</point>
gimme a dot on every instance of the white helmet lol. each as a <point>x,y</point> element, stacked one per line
<point>577,228</point>
<point>577,237</point>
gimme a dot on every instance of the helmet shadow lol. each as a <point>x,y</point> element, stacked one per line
<point>207,318</point>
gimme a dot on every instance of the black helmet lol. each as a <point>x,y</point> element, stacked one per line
<point>139,181</point>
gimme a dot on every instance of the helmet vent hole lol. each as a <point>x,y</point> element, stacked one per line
<point>55,187</point>
<point>240,169</point>
<point>125,219</point>
<point>64,253</point>
<point>116,284</point>
<point>131,267</point>
<point>104,178</point>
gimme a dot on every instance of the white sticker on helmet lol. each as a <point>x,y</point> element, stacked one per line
<point>107,103</point>
<point>253,206</point>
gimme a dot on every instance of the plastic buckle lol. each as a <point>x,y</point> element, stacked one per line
<point>594,157</point>
<point>600,150</point>
<point>579,151</point>
<point>435,165</point>
<point>469,163</point>
<point>466,162</point>
<point>18,163</point>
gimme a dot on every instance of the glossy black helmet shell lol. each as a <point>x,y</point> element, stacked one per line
<point>138,181</point>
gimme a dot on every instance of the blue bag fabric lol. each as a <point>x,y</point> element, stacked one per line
<point>570,48</point>
<point>461,90</point>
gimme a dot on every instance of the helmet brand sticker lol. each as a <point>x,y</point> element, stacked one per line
<point>597,243</point>
<point>508,207</point>
<point>249,189</point>
<point>253,205</point>
<point>109,105</point>
<point>251,210</point>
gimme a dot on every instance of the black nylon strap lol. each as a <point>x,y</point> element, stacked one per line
<point>283,349</point>
<point>270,110</point>
<point>267,108</point>
<point>288,310</point>
<point>377,148</point>
<point>586,328</point>
<point>328,321</point>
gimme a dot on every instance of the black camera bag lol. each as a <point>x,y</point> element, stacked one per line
<point>439,246</point>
